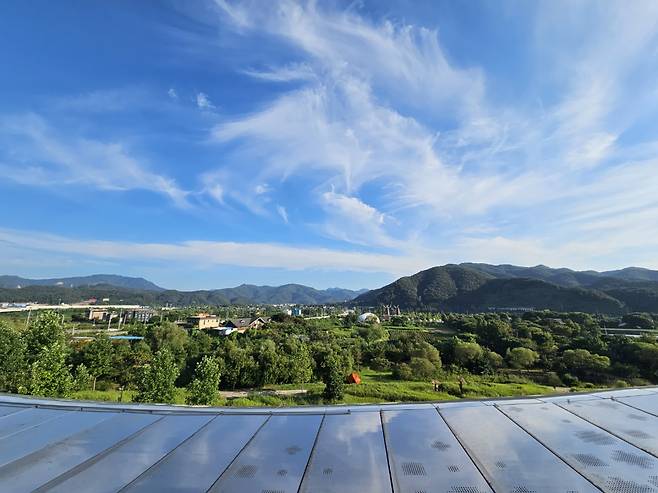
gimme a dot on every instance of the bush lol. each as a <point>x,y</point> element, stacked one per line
<point>422,368</point>
<point>553,379</point>
<point>380,364</point>
<point>569,380</point>
<point>620,383</point>
<point>521,357</point>
<point>403,372</point>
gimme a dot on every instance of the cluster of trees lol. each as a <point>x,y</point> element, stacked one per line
<point>559,349</point>
<point>42,360</point>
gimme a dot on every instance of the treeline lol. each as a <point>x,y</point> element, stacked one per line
<point>553,349</point>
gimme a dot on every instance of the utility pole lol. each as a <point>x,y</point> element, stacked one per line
<point>27,322</point>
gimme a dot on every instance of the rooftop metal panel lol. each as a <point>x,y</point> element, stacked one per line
<point>34,438</point>
<point>127,461</point>
<point>349,456</point>
<point>24,418</point>
<point>647,403</point>
<point>275,460</point>
<point>607,461</point>
<point>424,455</point>
<point>510,445</point>
<point>44,465</point>
<point>621,420</point>
<point>5,410</point>
<point>197,463</point>
<point>510,459</point>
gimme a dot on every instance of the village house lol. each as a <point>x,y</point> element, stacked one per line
<point>242,324</point>
<point>203,321</point>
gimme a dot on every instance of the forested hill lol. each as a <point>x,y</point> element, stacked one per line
<point>244,294</point>
<point>480,287</point>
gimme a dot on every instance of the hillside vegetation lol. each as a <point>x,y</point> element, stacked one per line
<point>481,287</point>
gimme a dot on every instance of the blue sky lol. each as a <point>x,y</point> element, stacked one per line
<point>206,144</point>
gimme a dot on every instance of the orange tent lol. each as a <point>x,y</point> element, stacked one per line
<point>353,378</point>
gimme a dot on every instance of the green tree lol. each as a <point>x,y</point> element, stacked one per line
<point>171,337</point>
<point>204,389</point>
<point>97,356</point>
<point>583,363</point>
<point>466,352</point>
<point>639,320</point>
<point>13,366</point>
<point>158,379</point>
<point>45,330</point>
<point>269,363</point>
<point>521,357</point>
<point>298,362</point>
<point>333,377</point>
<point>83,379</point>
<point>49,375</point>
<point>422,368</point>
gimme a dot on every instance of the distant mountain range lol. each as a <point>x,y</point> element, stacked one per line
<point>138,290</point>
<point>480,287</point>
<point>74,282</point>
<point>467,287</point>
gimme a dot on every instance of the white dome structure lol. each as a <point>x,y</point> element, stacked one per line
<point>368,318</point>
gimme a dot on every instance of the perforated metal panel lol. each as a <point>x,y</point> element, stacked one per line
<point>423,438</point>
<point>47,463</point>
<point>582,445</point>
<point>127,461</point>
<point>96,447</point>
<point>33,438</point>
<point>352,446</point>
<point>647,402</point>
<point>283,443</point>
<point>197,463</point>
<point>510,458</point>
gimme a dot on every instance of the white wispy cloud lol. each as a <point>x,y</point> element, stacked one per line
<point>203,101</point>
<point>282,212</point>
<point>50,159</point>
<point>172,93</point>
<point>361,122</point>
<point>202,254</point>
<point>286,73</point>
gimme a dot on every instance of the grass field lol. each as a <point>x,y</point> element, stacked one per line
<point>376,387</point>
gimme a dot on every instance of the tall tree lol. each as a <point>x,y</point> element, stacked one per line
<point>46,330</point>
<point>49,375</point>
<point>12,359</point>
<point>204,389</point>
<point>333,376</point>
<point>97,357</point>
<point>158,379</point>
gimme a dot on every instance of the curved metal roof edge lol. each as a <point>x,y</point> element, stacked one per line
<point>84,405</point>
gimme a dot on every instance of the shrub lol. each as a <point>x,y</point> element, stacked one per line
<point>569,380</point>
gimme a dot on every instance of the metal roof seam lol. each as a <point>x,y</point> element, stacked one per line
<point>388,455</point>
<point>228,466</point>
<point>468,452</point>
<point>548,448</point>
<point>606,430</point>
<point>310,456</point>
<point>143,473</point>
<point>91,461</point>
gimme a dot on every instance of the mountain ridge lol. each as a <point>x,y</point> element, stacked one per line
<point>243,294</point>
<point>9,281</point>
<point>481,287</point>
